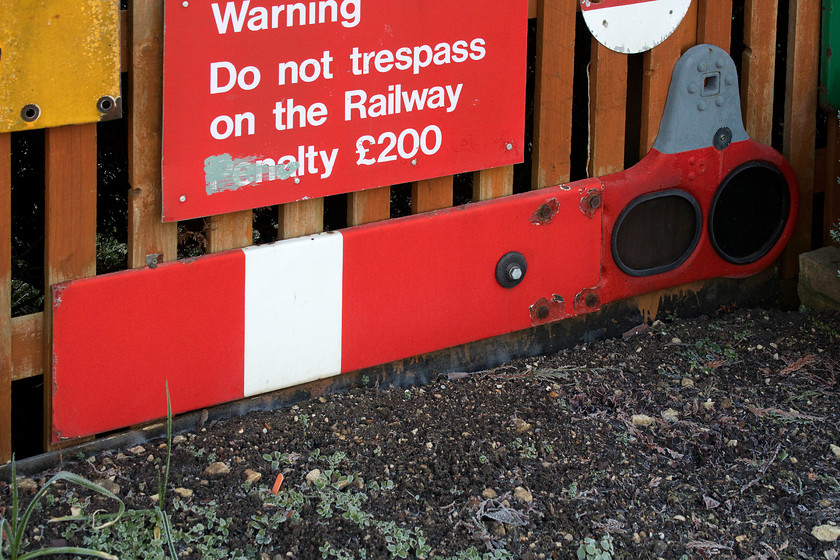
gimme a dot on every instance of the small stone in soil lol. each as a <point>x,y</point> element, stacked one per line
<point>137,450</point>
<point>184,492</point>
<point>836,450</point>
<point>252,476</point>
<point>109,485</point>
<point>521,425</point>
<point>217,469</point>
<point>522,494</point>
<point>27,484</point>
<point>488,494</point>
<point>670,415</point>
<point>826,533</point>
<point>642,420</point>
<point>313,475</point>
<point>179,439</point>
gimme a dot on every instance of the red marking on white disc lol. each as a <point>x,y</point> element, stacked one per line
<point>633,26</point>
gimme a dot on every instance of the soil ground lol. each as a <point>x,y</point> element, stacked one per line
<point>700,438</point>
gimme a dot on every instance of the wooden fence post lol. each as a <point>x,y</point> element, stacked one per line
<point>759,68</point>
<point>658,65</point>
<point>555,68</point>
<point>800,127</point>
<point>492,183</point>
<point>70,226</point>
<point>5,297</point>
<point>431,194</point>
<point>304,217</point>
<point>608,103</point>
<point>714,23</point>
<point>368,206</point>
<point>229,231</point>
<point>147,234</point>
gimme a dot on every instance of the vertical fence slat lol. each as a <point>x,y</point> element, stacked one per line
<point>5,297</point>
<point>831,208</point>
<point>70,225</point>
<point>607,103</point>
<point>658,65</point>
<point>431,194</point>
<point>229,231</point>
<point>759,68</point>
<point>689,25</point>
<point>364,207</point>
<point>714,23</point>
<point>304,217</point>
<point>146,233</point>
<point>492,183</point>
<point>555,69</point>
<point>802,75</point>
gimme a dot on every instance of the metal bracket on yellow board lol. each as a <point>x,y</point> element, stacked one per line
<point>59,63</point>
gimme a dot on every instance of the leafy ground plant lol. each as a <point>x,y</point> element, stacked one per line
<point>591,549</point>
<point>12,530</point>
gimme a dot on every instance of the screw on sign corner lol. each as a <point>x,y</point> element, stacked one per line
<point>105,103</point>
<point>30,112</point>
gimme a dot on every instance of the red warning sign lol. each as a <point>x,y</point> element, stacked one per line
<point>267,102</point>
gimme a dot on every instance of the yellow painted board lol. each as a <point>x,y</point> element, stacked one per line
<point>59,63</point>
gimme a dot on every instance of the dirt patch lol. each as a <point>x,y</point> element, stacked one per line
<point>711,437</point>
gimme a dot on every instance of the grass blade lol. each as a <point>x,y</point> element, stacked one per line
<point>68,550</point>
<point>163,482</point>
<point>167,531</point>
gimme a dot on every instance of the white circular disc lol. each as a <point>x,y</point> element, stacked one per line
<point>633,26</point>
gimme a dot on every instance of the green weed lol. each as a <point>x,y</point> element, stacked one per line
<point>13,528</point>
<point>591,549</point>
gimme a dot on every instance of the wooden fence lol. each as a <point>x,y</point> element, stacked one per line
<point>626,96</point>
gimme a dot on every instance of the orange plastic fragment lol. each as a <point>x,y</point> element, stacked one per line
<point>277,484</point>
